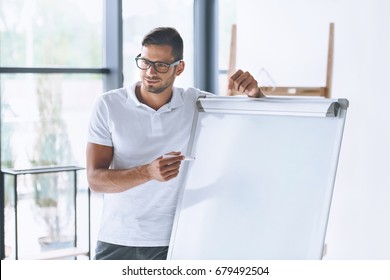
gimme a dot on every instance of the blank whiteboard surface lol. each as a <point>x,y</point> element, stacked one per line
<point>262,181</point>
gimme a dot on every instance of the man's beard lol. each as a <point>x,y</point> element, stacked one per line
<point>166,84</point>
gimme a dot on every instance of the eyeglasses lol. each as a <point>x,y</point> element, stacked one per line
<point>160,67</point>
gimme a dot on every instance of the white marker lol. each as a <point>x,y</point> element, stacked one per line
<point>187,158</point>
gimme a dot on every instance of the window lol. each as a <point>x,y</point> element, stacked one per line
<point>44,118</point>
<point>46,33</point>
<point>51,56</point>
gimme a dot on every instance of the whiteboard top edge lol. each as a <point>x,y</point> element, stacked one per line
<point>343,102</point>
<point>285,106</point>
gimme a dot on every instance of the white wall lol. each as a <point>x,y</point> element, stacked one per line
<point>289,38</point>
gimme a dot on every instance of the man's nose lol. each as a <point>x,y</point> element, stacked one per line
<point>151,70</point>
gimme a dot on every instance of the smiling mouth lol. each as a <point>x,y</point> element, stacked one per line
<point>152,81</point>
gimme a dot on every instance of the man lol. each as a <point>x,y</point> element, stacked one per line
<point>130,130</point>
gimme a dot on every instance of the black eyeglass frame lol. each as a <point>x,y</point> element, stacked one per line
<point>138,57</point>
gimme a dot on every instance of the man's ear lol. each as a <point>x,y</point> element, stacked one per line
<point>180,68</point>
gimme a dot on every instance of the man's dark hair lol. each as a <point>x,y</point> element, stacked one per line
<point>165,36</point>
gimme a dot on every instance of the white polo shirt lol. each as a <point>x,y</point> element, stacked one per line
<point>143,215</point>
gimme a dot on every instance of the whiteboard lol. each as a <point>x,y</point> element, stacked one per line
<point>262,181</point>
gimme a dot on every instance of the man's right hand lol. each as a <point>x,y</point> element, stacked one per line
<point>105,180</point>
<point>164,169</point>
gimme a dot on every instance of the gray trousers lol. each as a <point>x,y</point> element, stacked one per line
<point>107,251</point>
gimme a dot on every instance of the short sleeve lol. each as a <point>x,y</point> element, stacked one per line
<point>99,124</point>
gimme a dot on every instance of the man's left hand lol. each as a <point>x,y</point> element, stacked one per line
<point>244,82</point>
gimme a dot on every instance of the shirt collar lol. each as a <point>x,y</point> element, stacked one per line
<point>177,98</point>
<point>131,96</point>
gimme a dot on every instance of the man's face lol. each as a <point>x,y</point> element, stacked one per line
<point>153,81</point>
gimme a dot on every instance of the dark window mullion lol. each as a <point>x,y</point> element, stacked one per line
<point>112,44</point>
<point>52,70</point>
<point>206,44</point>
